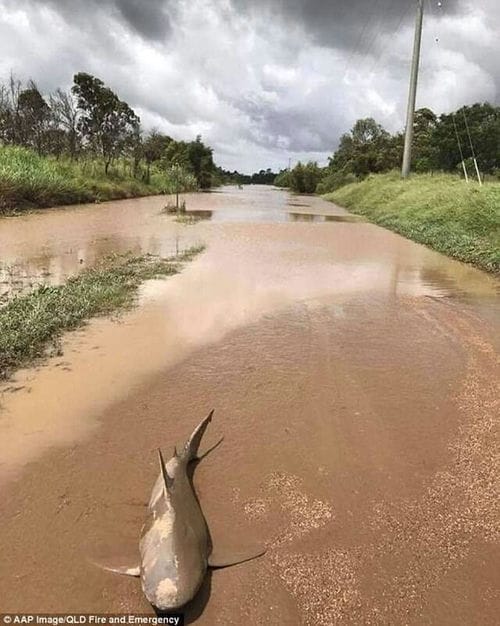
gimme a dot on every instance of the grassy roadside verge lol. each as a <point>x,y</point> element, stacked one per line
<point>442,212</point>
<point>31,324</point>
<point>31,181</point>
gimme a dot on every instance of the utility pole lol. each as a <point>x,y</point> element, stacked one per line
<point>412,97</point>
<point>472,148</point>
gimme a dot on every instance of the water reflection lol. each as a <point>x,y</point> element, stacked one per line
<point>272,215</point>
<point>51,245</point>
<point>58,262</point>
<point>317,218</point>
<point>202,215</point>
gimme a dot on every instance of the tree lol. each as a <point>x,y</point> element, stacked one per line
<point>424,154</point>
<point>5,115</point>
<point>365,149</point>
<point>154,147</point>
<point>304,178</point>
<point>91,119</point>
<point>483,121</point>
<point>312,176</point>
<point>9,111</point>
<point>195,157</point>
<point>65,115</point>
<point>105,122</point>
<point>297,178</point>
<point>264,177</point>
<point>367,131</point>
<point>134,148</point>
<point>33,116</point>
<point>55,141</point>
<point>201,161</point>
<point>177,153</point>
<point>283,179</point>
<point>181,180</point>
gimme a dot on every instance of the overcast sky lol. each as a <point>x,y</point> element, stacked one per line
<point>265,80</point>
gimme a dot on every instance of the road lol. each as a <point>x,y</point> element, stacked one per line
<point>354,375</point>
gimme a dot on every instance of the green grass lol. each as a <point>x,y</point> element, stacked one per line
<point>441,211</point>
<point>28,180</point>
<point>31,324</point>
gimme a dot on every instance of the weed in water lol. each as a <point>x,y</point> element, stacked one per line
<point>30,324</point>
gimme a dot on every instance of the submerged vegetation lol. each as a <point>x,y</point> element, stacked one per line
<point>31,324</point>
<point>440,211</point>
<point>188,220</point>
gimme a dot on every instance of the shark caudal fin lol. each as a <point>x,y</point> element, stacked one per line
<point>190,451</point>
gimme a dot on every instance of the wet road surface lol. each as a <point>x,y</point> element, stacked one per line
<point>355,379</point>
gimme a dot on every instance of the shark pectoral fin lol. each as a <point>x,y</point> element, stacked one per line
<point>220,559</point>
<point>125,570</point>
<point>118,565</point>
<point>200,457</point>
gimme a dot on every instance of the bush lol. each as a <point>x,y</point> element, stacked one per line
<point>305,178</point>
<point>334,181</point>
<point>282,179</point>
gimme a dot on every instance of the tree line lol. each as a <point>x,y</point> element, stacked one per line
<point>444,143</point>
<point>91,121</point>
<point>262,177</point>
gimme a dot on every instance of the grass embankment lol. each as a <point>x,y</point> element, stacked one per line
<point>443,212</point>
<point>28,180</point>
<point>32,324</point>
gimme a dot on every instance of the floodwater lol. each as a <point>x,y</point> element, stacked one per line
<point>354,376</point>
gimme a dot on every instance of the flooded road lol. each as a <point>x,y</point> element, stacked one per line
<point>354,376</point>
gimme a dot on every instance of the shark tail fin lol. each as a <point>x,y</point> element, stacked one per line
<point>190,451</point>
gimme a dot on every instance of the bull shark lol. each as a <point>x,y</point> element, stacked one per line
<point>175,546</point>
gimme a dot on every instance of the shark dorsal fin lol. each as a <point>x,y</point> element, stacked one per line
<point>190,451</point>
<point>168,481</point>
<point>175,451</point>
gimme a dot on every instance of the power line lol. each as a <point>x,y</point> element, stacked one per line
<point>355,50</point>
<point>472,147</point>
<point>473,153</point>
<point>390,40</point>
<point>379,24</point>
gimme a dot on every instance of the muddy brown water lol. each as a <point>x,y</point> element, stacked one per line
<point>355,379</point>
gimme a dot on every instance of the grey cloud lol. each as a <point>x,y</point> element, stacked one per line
<point>149,18</point>
<point>294,129</point>
<point>346,24</point>
<point>260,80</point>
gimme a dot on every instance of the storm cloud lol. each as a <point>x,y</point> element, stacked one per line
<point>262,81</point>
